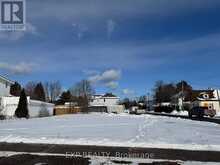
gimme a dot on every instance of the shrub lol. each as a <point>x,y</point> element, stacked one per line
<point>2,117</point>
<point>44,112</point>
<point>22,109</point>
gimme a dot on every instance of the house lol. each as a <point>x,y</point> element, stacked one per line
<point>207,98</point>
<point>104,100</point>
<point>204,98</point>
<point>9,103</point>
<point>5,85</point>
<point>203,94</point>
<point>105,103</point>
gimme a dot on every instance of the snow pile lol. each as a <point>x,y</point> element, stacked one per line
<point>182,113</point>
<point>217,114</point>
<point>114,130</point>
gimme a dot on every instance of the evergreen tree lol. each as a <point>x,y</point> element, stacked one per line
<point>15,89</point>
<point>39,93</point>
<point>66,96</point>
<point>22,109</point>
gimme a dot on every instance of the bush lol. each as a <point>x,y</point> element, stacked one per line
<point>2,117</point>
<point>166,109</point>
<point>22,109</point>
<point>44,112</point>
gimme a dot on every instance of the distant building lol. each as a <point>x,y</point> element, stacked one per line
<point>105,103</point>
<point>104,100</point>
<point>207,98</point>
<point>5,85</point>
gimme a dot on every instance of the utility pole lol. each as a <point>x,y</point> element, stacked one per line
<point>218,97</point>
<point>148,101</point>
<point>182,95</point>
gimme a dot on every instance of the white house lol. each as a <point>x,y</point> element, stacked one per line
<point>9,103</point>
<point>105,103</point>
<point>102,100</point>
<point>5,85</point>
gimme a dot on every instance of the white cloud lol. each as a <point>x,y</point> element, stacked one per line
<point>108,78</point>
<point>80,30</point>
<point>18,69</point>
<point>30,28</point>
<point>16,35</point>
<point>128,92</point>
<point>112,85</point>
<point>110,27</point>
<point>90,72</point>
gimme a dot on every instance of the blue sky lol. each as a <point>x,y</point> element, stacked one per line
<point>120,46</point>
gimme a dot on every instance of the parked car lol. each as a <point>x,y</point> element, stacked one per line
<point>140,111</point>
<point>166,109</point>
<point>135,110</point>
<point>197,112</point>
<point>201,112</point>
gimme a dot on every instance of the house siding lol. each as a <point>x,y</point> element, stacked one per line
<point>4,88</point>
<point>104,101</point>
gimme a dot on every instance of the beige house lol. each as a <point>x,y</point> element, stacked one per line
<point>209,99</point>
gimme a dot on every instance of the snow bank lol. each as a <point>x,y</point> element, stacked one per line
<point>217,114</point>
<point>182,113</point>
<point>114,130</point>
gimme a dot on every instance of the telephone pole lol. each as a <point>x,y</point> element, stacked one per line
<point>182,95</point>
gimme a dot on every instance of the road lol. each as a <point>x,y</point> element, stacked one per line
<point>30,159</point>
<point>120,152</point>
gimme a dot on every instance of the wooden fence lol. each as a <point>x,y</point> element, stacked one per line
<point>66,110</point>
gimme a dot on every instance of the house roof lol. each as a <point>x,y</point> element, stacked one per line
<point>5,79</point>
<point>106,96</point>
<point>109,95</point>
<point>196,94</point>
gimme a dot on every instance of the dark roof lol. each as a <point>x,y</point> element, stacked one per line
<point>109,95</point>
<point>197,93</point>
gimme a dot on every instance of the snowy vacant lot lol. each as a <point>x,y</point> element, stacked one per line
<point>114,130</point>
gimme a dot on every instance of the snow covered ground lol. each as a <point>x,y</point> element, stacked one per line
<point>217,114</point>
<point>182,113</point>
<point>114,130</point>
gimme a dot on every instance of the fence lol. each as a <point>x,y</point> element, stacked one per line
<point>61,110</point>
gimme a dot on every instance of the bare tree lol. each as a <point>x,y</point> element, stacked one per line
<point>82,89</point>
<point>52,90</point>
<point>55,90</point>
<point>29,88</point>
<point>47,91</point>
